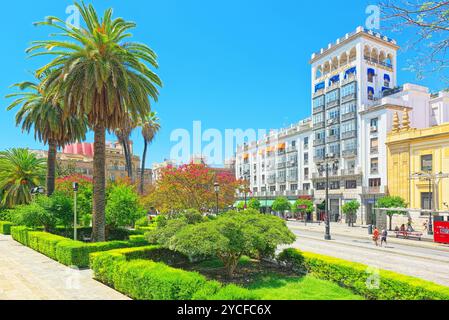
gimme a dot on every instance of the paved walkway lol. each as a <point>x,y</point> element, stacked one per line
<point>28,275</point>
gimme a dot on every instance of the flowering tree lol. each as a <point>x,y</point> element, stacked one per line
<point>191,186</point>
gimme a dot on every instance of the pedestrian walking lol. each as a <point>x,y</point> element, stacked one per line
<point>376,237</point>
<point>384,236</point>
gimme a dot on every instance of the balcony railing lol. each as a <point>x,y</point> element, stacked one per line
<point>374,170</point>
<point>318,125</point>
<point>348,97</point>
<point>318,142</point>
<point>374,150</point>
<point>348,79</point>
<point>333,138</point>
<point>332,121</point>
<point>349,134</point>
<point>348,116</point>
<point>375,190</point>
<point>351,172</point>
<point>318,109</point>
<point>318,158</point>
<point>281,179</point>
<point>333,86</point>
<point>349,153</point>
<point>318,93</point>
<point>333,103</point>
<point>292,178</point>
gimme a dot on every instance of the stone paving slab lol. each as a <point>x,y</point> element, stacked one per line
<point>28,275</point>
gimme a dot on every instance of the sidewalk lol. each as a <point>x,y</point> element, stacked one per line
<point>28,275</point>
<point>362,233</point>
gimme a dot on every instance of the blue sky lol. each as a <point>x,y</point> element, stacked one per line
<point>228,63</point>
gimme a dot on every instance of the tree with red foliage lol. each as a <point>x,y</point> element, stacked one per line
<point>191,186</point>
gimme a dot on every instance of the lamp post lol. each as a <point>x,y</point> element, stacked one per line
<point>75,192</point>
<point>266,198</point>
<point>217,190</point>
<point>244,190</point>
<point>327,159</point>
<point>36,191</point>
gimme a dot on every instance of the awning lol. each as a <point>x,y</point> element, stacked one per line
<point>352,70</point>
<point>270,149</point>
<point>266,203</point>
<point>281,146</point>
<point>386,77</point>
<point>371,71</point>
<point>334,79</point>
<point>245,156</point>
<point>370,90</point>
<point>319,86</point>
<point>385,88</point>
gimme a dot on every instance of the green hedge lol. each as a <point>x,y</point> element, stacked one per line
<point>5,227</point>
<point>387,285</point>
<point>150,280</point>
<point>64,250</point>
<point>75,253</point>
<point>20,234</point>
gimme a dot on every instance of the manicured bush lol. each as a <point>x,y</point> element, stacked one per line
<point>292,259</point>
<point>20,234</point>
<point>76,253</point>
<point>5,227</point>
<point>44,242</point>
<point>372,284</point>
<point>150,280</point>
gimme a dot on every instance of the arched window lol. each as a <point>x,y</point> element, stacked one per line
<point>374,55</point>
<point>326,68</point>
<point>382,57</point>
<point>352,54</point>
<point>319,72</point>
<point>389,61</point>
<point>343,59</point>
<point>334,64</point>
<point>367,52</point>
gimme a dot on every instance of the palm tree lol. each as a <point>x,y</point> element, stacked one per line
<point>123,135</point>
<point>20,171</point>
<point>150,127</point>
<point>99,74</point>
<point>50,125</point>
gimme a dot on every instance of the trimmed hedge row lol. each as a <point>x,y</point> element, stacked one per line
<point>5,227</point>
<point>149,280</point>
<point>64,250</point>
<point>361,279</point>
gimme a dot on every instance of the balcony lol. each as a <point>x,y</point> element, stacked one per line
<point>375,190</point>
<point>318,158</point>
<point>351,172</point>
<point>349,134</point>
<point>281,165</point>
<point>271,180</point>
<point>318,125</point>
<point>333,103</point>
<point>348,116</point>
<point>374,129</point>
<point>332,121</point>
<point>349,153</point>
<point>348,97</point>
<point>292,178</point>
<point>291,149</point>
<point>318,142</point>
<point>318,109</point>
<point>281,179</point>
<point>292,164</point>
<point>374,150</point>
<point>333,138</point>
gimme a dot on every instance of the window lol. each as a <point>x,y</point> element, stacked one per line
<point>306,186</point>
<point>320,186</point>
<point>282,187</point>
<point>371,74</point>
<point>319,152</point>
<point>374,123</point>
<point>426,200</point>
<point>263,178</point>
<point>319,135</point>
<point>386,81</point>
<point>264,189</point>
<point>351,184</point>
<point>334,131</point>
<point>255,190</point>
<point>348,126</point>
<point>318,118</point>
<point>332,96</point>
<point>426,163</point>
<point>293,187</point>
<point>293,143</point>
<point>334,185</point>
<point>348,107</point>
<point>350,144</point>
<point>306,158</point>
<point>334,148</point>
<point>374,182</point>
<point>306,173</point>
<point>348,89</point>
<point>374,165</point>
<point>374,145</point>
<point>370,93</point>
<point>318,102</point>
<point>272,188</point>
<point>306,142</point>
<point>333,113</point>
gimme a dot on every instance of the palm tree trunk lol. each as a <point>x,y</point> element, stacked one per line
<point>130,161</point>
<point>99,194</point>
<point>51,167</point>
<point>142,170</point>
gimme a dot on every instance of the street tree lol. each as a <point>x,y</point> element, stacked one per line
<point>391,202</point>
<point>350,208</point>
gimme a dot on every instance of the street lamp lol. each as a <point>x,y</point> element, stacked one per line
<point>75,191</point>
<point>327,159</point>
<point>266,198</point>
<point>244,190</point>
<point>217,190</point>
<point>36,191</point>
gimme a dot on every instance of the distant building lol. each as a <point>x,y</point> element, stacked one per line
<point>78,158</point>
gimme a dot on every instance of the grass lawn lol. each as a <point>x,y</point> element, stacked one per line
<point>277,287</point>
<point>273,283</point>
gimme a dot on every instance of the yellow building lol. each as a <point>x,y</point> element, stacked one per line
<point>412,151</point>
